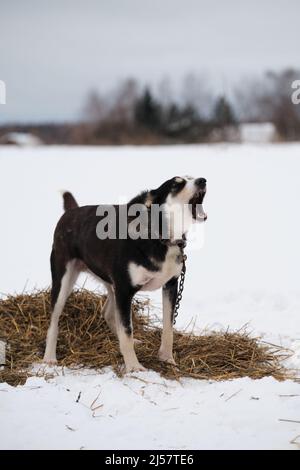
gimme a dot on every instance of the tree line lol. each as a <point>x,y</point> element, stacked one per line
<point>135,114</point>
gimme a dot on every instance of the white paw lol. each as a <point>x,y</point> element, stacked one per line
<point>166,357</point>
<point>137,341</point>
<point>51,361</point>
<point>135,368</point>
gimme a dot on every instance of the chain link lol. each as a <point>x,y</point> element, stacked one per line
<point>180,289</point>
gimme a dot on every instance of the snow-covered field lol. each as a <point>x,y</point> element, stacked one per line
<point>247,271</point>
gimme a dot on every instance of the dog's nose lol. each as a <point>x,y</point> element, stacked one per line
<point>200,182</point>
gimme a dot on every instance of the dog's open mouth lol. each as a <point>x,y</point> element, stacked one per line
<point>196,205</point>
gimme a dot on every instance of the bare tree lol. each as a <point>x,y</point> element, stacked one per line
<point>164,92</point>
<point>123,102</point>
<point>277,104</point>
<point>247,100</point>
<point>269,99</point>
<point>95,109</point>
<point>196,93</point>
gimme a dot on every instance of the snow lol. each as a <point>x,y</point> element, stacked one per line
<point>245,269</point>
<point>128,413</point>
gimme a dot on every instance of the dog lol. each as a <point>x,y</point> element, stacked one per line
<point>126,264</point>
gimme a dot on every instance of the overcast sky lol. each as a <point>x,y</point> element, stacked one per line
<point>53,52</point>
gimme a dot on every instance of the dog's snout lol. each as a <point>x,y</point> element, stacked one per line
<point>200,182</point>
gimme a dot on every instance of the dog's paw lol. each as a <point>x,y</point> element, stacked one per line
<point>50,361</point>
<point>134,368</point>
<point>169,359</point>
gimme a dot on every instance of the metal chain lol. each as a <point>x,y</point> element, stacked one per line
<point>180,289</point>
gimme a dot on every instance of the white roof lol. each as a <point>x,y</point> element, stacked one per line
<point>257,132</point>
<point>22,138</point>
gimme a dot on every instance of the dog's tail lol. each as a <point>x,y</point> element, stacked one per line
<point>69,200</point>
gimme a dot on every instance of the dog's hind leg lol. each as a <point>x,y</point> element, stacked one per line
<point>109,309</point>
<point>124,330</point>
<point>64,275</point>
<point>169,298</point>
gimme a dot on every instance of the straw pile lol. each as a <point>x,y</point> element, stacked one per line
<point>86,341</point>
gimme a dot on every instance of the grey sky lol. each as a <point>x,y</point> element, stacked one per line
<point>53,52</point>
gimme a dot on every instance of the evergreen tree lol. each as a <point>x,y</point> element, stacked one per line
<point>223,113</point>
<point>148,111</point>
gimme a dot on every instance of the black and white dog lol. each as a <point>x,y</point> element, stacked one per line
<point>126,264</point>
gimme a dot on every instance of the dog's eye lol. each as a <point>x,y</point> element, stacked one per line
<point>177,182</point>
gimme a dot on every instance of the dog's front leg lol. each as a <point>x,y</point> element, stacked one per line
<point>109,309</point>
<point>124,330</point>
<point>169,293</point>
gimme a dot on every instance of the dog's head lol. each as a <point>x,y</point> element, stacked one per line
<point>182,192</point>
<point>181,198</point>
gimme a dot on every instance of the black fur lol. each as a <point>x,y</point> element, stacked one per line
<point>171,289</point>
<point>69,201</point>
<point>75,238</point>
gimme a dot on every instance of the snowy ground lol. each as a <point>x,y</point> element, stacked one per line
<point>246,272</point>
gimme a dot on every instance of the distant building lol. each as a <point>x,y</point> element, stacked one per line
<point>20,138</point>
<point>258,132</point>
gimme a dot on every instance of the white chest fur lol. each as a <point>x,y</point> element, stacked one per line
<point>150,280</point>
